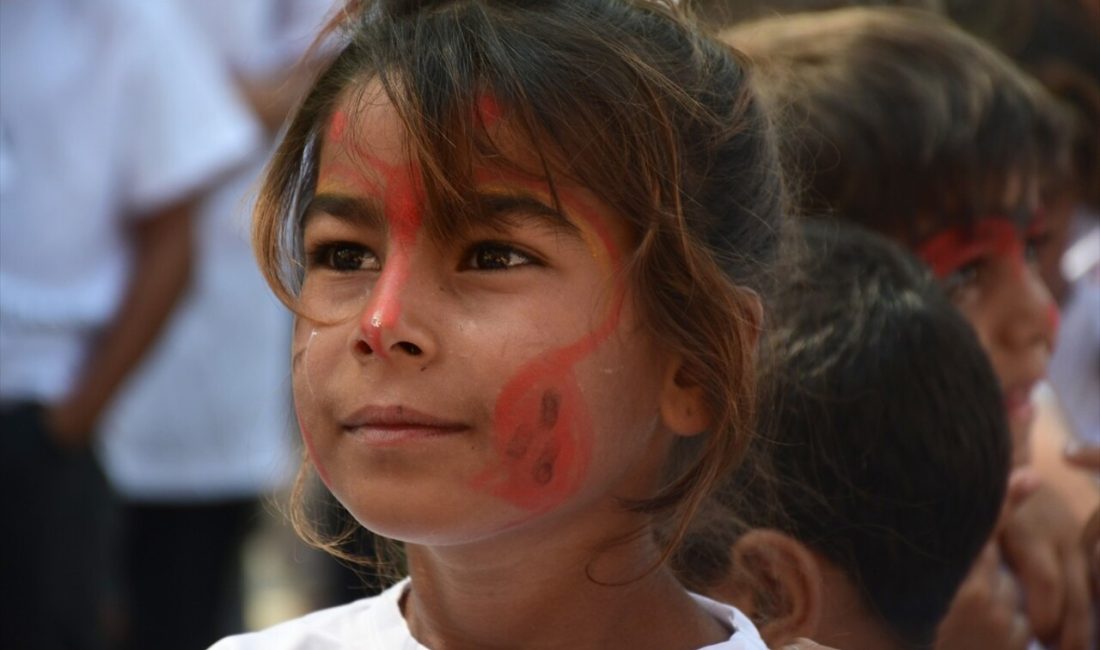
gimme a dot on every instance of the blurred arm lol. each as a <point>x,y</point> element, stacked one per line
<point>160,273</point>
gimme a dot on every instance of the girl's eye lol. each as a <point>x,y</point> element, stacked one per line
<point>964,277</point>
<point>491,256</point>
<point>345,257</point>
<point>1034,245</point>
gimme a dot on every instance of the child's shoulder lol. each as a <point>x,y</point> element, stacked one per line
<point>374,622</point>
<point>377,622</point>
<point>744,636</point>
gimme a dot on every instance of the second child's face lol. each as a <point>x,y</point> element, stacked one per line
<point>452,390</point>
<point>990,272</point>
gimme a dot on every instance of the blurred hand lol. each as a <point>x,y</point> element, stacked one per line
<point>1090,544</point>
<point>986,610</point>
<point>806,644</point>
<point>1087,458</point>
<point>1041,541</point>
<point>68,426</point>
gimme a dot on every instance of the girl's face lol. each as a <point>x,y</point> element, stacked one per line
<point>450,390</point>
<point>989,270</point>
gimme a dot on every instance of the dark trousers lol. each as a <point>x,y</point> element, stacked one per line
<point>183,574</point>
<point>56,554</point>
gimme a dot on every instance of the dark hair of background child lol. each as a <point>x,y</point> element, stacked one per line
<point>882,432</point>
<point>846,82</point>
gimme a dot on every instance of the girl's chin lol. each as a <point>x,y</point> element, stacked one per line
<point>442,520</point>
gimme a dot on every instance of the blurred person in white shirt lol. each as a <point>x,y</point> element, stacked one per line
<point>114,117</point>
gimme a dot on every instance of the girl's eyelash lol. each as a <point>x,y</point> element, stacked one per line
<point>962,276</point>
<point>497,256</point>
<point>341,256</point>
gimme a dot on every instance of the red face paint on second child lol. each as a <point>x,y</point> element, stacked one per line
<point>955,248</point>
<point>1005,302</point>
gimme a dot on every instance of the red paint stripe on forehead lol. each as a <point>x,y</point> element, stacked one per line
<point>953,248</point>
<point>489,110</point>
<point>338,126</point>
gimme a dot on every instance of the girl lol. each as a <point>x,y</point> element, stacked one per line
<point>522,242</point>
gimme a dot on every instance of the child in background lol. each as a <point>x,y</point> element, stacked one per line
<point>887,451</point>
<point>522,241</point>
<point>201,433</point>
<point>114,119</point>
<point>899,121</point>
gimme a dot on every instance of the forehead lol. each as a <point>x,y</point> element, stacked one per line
<point>363,131</point>
<point>366,129</point>
<point>366,150</point>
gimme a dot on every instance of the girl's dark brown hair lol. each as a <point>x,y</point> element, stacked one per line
<point>895,117</point>
<point>626,98</point>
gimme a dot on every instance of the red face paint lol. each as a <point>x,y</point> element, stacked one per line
<point>488,109</point>
<point>403,195</point>
<point>543,431</point>
<point>954,248</point>
<point>338,127</point>
<point>541,426</point>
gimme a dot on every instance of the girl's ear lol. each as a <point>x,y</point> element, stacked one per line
<point>683,402</point>
<point>683,405</point>
<point>777,583</point>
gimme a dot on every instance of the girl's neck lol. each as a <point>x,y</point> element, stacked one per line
<point>543,591</point>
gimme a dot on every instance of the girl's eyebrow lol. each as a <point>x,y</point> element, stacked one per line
<point>502,209</point>
<point>350,209</point>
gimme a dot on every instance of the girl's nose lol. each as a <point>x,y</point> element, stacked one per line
<point>1028,311</point>
<point>393,324</point>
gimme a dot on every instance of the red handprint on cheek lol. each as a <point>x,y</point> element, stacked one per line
<point>543,430</point>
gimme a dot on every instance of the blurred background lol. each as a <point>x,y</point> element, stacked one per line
<point>148,442</point>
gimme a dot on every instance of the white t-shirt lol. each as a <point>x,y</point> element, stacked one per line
<point>377,624</point>
<point>1075,366</point>
<point>109,110</point>
<point>206,417</point>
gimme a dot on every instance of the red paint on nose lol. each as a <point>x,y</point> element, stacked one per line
<point>404,196</point>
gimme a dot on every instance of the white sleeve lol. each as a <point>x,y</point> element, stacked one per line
<point>186,124</point>
<point>260,38</point>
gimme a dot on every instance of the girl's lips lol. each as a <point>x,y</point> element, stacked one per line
<point>394,424</point>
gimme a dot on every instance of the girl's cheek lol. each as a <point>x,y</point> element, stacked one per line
<point>542,435</point>
<point>308,402</point>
